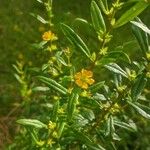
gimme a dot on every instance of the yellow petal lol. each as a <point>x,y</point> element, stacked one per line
<point>84,85</point>
<point>78,75</point>
<point>90,81</point>
<point>87,73</point>
<point>79,82</point>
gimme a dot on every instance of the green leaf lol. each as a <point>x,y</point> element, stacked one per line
<point>138,87</point>
<point>97,86</point>
<point>119,56</point>
<point>113,57</point>
<point>144,107</point>
<point>97,18</point>
<point>85,139</point>
<point>82,21</point>
<point>60,58</point>
<point>40,88</point>
<point>17,69</point>
<point>61,128</point>
<point>55,111</point>
<point>88,114</point>
<point>131,13</point>
<point>71,107</point>
<point>95,147</point>
<point>141,26</point>
<point>104,6</point>
<point>39,45</point>
<point>40,1</point>
<point>116,69</point>
<point>34,135</point>
<point>141,37</point>
<point>18,78</point>
<point>139,110</point>
<point>38,17</point>
<point>99,97</point>
<point>128,126</point>
<point>75,39</point>
<point>32,122</point>
<point>52,83</point>
<point>110,127</point>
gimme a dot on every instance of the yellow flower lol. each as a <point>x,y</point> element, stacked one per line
<point>50,142</point>
<point>49,36</point>
<point>84,78</point>
<point>103,51</point>
<point>51,125</point>
<point>55,134</point>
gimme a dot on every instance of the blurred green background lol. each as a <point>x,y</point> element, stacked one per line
<point>18,30</point>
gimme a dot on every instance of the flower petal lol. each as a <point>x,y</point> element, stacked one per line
<point>79,82</point>
<point>78,75</point>
<point>87,73</point>
<point>90,81</point>
<point>84,85</point>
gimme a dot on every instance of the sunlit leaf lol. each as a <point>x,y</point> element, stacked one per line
<point>72,105</point>
<point>75,39</point>
<point>128,126</point>
<point>41,88</point>
<point>131,13</point>
<point>103,5</point>
<point>116,69</point>
<point>55,111</point>
<point>138,87</point>
<point>95,87</point>
<point>32,122</point>
<point>141,26</point>
<point>38,17</point>
<point>52,83</point>
<point>97,18</point>
<point>141,37</point>
<point>139,110</point>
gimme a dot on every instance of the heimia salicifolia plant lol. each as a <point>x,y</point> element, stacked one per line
<point>73,107</point>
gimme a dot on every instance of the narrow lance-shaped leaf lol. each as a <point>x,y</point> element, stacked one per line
<point>40,1</point>
<point>141,37</point>
<point>115,68</point>
<point>128,126</point>
<point>72,105</point>
<point>75,39</point>
<point>97,86</point>
<point>131,13</point>
<point>110,126</point>
<point>52,83</point>
<point>61,128</point>
<point>34,136</point>
<point>38,17</point>
<point>138,87</point>
<point>144,107</point>
<point>103,6</point>
<point>87,141</point>
<point>18,78</point>
<point>141,26</point>
<point>55,111</point>
<point>113,57</point>
<point>97,18</point>
<point>82,21</point>
<point>139,110</point>
<point>60,58</point>
<point>40,88</point>
<point>32,122</point>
